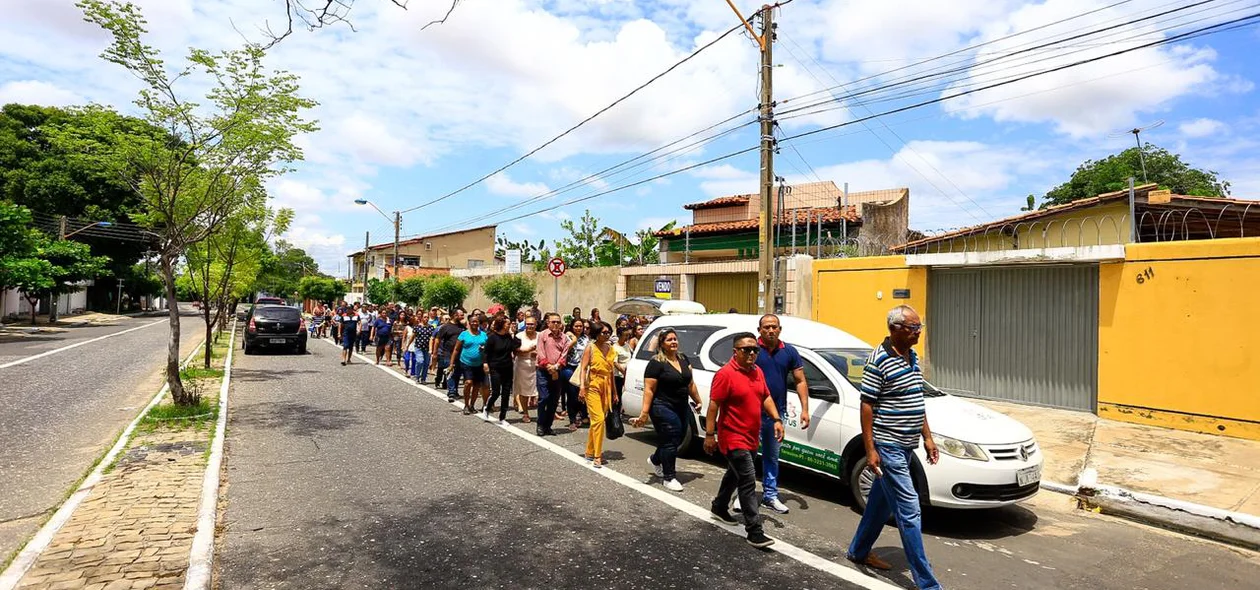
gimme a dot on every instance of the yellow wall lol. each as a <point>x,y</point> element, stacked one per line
<point>1176,346</point>
<point>1093,226</point>
<point>855,294</point>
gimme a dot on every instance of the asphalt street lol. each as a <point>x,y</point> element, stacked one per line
<point>349,477</point>
<point>62,411</point>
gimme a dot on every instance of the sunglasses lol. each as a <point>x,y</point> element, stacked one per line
<point>747,349</point>
<point>912,327</point>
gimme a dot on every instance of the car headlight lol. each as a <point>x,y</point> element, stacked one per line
<point>958,448</point>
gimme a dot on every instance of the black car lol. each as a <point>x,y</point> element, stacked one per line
<point>272,326</point>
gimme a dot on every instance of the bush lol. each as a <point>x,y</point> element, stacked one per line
<point>445,292</point>
<point>411,291</point>
<point>511,291</point>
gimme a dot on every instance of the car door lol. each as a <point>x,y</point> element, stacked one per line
<point>691,340</point>
<point>819,447</point>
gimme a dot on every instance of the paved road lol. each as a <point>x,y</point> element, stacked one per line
<point>61,411</point>
<point>348,477</point>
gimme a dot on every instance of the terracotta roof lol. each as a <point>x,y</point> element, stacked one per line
<point>720,202</point>
<point>830,215</point>
<point>1140,192</point>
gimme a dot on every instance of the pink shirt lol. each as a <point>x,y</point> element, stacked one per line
<point>552,349</point>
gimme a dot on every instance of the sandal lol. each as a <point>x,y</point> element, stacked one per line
<point>598,463</point>
<point>525,419</point>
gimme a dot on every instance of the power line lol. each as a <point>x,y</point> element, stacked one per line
<point>684,60</point>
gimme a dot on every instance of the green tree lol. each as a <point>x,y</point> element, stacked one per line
<point>445,292</point>
<point>218,148</point>
<point>325,290</point>
<point>1112,173</point>
<point>20,265</point>
<point>282,267</point>
<point>530,253</point>
<point>381,292</point>
<point>579,248</point>
<point>512,291</point>
<point>69,265</point>
<point>411,290</point>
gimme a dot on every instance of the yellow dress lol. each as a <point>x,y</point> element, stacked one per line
<point>599,392</point>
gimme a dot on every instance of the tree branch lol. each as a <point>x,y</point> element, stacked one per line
<point>441,21</point>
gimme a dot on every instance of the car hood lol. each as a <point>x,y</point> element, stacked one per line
<point>968,421</point>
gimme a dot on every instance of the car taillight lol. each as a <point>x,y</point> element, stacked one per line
<point>252,327</point>
<point>302,325</point>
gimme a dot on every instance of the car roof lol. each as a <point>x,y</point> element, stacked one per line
<point>799,331</point>
<point>275,306</point>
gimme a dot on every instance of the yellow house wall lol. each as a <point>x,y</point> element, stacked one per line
<point>855,294</point>
<point>1095,226</point>
<point>1174,347</point>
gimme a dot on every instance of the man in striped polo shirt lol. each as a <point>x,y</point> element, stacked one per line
<point>893,420</point>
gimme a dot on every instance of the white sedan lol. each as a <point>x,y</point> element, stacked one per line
<point>986,459</point>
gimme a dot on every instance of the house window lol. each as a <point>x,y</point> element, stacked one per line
<point>428,245</point>
<point>410,260</point>
<point>472,263</point>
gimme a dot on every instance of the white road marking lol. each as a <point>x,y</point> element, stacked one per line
<point>201,556</point>
<point>11,576</point>
<point>77,344</point>
<point>817,562</point>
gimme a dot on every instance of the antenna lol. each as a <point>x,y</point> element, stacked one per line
<point>1137,134</point>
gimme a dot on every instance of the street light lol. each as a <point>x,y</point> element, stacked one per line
<point>65,235</point>
<point>397,221</point>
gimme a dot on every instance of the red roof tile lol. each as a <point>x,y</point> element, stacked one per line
<point>720,202</point>
<point>830,215</point>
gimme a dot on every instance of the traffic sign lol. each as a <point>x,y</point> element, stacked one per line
<point>556,266</point>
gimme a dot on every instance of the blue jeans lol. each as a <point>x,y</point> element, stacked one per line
<point>893,494</point>
<point>667,422</point>
<point>420,364</point>
<point>452,382</point>
<point>769,459</point>
<point>549,394</point>
<point>408,362</point>
<point>574,406</point>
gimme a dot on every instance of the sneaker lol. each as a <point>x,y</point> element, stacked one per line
<point>759,540</point>
<point>673,485</point>
<point>485,415</point>
<point>657,469</point>
<point>503,422</point>
<point>775,505</point>
<point>723,516</point>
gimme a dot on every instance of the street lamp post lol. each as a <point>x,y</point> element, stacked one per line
<point>397,221</point>
<point>65,235</point>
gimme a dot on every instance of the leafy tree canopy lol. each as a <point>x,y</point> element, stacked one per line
<point>411,290</point>
<point>445,292</point>
<point>1112,173</point>
<point>381,292</point>
<point>323,289</point>
<point>511,291</point>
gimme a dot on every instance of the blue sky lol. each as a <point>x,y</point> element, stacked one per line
<point>408,116</point>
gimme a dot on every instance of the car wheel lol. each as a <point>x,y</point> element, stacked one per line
<point>860,481</point>
<point>248,349</point>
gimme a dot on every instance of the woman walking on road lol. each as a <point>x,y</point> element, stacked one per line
<point>575,408</point>
<point>524,383</point>
<point>470,350</point>
<point>499,348</point>
<point>599,365</point>
<point>667,384</point>
<point>349,324</point>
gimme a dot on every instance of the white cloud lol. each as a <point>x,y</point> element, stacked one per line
<point>37,92</point>
<point>655,223</point>
<point>1202,128</point>
<point>724,179</point>
<point>502,184</point>
<point>522,229</point>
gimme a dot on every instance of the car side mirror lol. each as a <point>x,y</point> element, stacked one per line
<point>824,393</point>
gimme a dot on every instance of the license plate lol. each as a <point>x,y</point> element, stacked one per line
<point>1028,475</point>
<point>278,340</point>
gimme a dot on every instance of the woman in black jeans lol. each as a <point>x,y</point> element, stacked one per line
<point>499,347</point>
<point>667,384</point>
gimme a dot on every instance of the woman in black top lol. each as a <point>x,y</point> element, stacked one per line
<point>499,347</point>
<point>667,384</point>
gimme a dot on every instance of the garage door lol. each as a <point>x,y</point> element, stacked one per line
<point>1028,334</point>
<point>721,292</point>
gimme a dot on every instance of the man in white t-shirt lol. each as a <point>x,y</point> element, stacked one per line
<point>365,318</point>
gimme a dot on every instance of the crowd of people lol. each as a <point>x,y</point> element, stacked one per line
<point>574,368</point>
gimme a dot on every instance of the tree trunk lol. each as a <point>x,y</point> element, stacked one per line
<point>34,310</point>
<point>178,395</point>
<point>205,313</point>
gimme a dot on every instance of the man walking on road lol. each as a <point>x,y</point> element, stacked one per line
<point>893,419</point>
<point>553,347</point>
<point>777,360</point>
<point>739,393</point>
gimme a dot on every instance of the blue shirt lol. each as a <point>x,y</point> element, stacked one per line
<point>383,326</point>
<point>893,385</point>
<point>471,351</point>
<point>776,365</point>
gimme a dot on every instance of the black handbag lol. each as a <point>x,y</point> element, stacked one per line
<point>613,426</point>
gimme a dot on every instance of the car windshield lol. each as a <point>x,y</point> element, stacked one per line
<point>850,362</point>
<point>277,313</point>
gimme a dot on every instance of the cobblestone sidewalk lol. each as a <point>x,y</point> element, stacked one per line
<point>135,529</point>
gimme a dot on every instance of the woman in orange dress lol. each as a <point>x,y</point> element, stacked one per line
<point>598,368</point>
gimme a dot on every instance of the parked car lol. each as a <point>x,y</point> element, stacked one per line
<point>275,326</point>
<point>986,458</point>
<point>242,310</point>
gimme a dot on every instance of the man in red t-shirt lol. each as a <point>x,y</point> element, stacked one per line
<point>739,392</point>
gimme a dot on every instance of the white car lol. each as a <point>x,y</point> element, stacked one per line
<point>986,458</point>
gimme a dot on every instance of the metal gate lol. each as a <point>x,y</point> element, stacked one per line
<point>1027,334</point>
<point>722,292</point>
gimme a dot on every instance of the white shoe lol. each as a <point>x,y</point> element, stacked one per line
<point>775,505</point>
<point>485,415</point>
<point>657,469</point>
<point>673,485</point>
<point>503,422</point>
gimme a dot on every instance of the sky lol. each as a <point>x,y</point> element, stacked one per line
<point>408,116</point>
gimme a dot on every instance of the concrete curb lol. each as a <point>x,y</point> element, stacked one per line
<point>201,556</point>
<point>1234,528</point>
<point>12,576</point>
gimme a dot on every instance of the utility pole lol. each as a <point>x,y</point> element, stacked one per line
<point>120,286</point>
<point>397,226</point>
<point>765,234</point>
<point>366,246</point>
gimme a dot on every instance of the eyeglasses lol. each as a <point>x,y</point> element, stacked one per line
<point>911,327</point>
<point>747,349</point>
